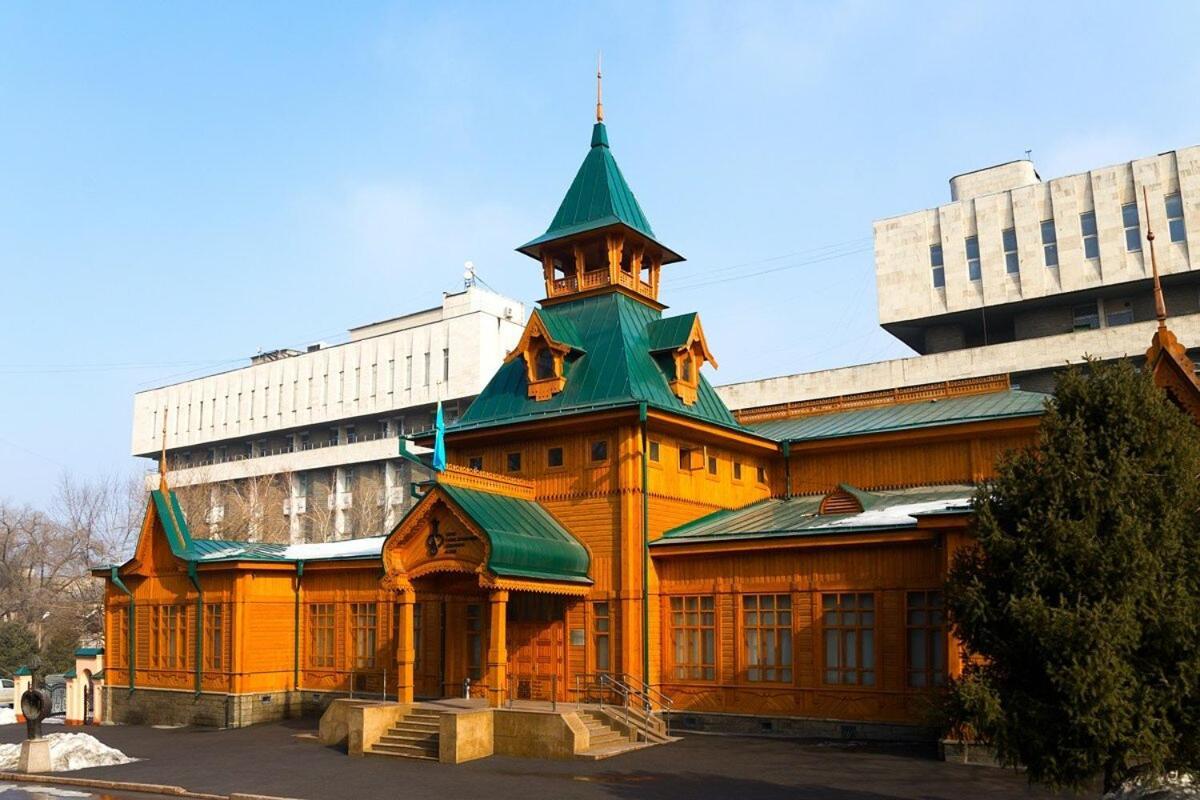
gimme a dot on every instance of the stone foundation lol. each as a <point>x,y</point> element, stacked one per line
<point>798,727</point>
<point>150,706</point>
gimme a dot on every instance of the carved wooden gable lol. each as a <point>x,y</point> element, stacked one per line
<point>433,539</point>
<point>544,357</point>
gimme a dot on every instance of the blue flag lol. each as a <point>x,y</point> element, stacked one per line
<point>439,441</point>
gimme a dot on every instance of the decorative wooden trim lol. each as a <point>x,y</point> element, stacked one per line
<point>508,485</point>
<point>756,545</point>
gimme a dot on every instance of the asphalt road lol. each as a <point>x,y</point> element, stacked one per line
<point>284,760</point>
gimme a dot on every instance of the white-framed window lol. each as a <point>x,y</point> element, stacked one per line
<point>974,271</point>
<point>937,264</point>
<point>1133,228</point>
<point>1012,264</point>
<point>1087,229</point>
<point>1174,204</point>
<point>1049,242</point>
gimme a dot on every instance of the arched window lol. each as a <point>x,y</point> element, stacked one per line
<point>544,364</point>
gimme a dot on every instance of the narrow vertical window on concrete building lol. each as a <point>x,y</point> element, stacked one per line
<point>1049,243</point>
<point>1174,204</point>
<point>408,372</point>
<point>1133,229</point>
<point>601,630</point>
<point>938,266</point>
<point>767,637</point>
<point>426,367</point>
<point>693,638</point>
<point>1087,228</point>
<point>926,623</point>
<point>445,365</point>
<point>848,623</point>
<point>1012,264</point>
<point>974,272</point>
<point>390,375</point>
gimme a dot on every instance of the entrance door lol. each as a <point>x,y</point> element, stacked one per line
<point>536,652</point>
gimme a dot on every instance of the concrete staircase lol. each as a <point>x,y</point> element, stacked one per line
<point>414,736</point>
<point>606,737</point>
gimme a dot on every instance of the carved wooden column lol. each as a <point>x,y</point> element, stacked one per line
<point>405,648</point>
<point>497,654</point>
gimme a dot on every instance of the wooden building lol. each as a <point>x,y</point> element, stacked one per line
<point>602,512</point>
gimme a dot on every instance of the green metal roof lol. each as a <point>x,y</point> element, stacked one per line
<point>670,333</point>
<point>599,197</point>
<point>561,329</point>
<point>616,369</point>
<point>798,516</point>
<point>526,541</point>
<point>905,416</point>
<point>89,652</point>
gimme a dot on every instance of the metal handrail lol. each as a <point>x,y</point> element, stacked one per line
<point>629,695</point>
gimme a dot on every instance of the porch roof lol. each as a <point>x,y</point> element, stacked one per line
<point>526,541</point>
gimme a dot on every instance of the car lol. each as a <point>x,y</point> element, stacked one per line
<point>6,692</point>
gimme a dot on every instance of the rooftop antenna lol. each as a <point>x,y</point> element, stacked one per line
<point>162,459</point>
<point>1160,305</point>
<point>469,275</point>
<point>599,99</point>
<point>1029,155</point>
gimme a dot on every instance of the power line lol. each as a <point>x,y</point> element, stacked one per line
<point>740,276</point>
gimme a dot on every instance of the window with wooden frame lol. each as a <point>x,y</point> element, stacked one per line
<point>599,450</point>
<point>214,636</point>
<point>690,458</point>
<point>762,475</point>
<point>654,450</point>
<point>475,641</point>
<point>712,465</point>
<point>117,651</point>
<point>601,636</point>
<point>737,470</point>
<point>694,638</point>
<point>512,462</point>
<point>767,637</point>
<point>322,634</point>
<point>168,637</point>
<point>554,457</point>
<point>848,622</point>
<point>364,633</point>
<point>926,622</point>
<point>475,463</point>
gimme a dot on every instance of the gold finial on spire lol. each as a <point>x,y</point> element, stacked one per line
<point>162,459</point>
<point>599,100</point>
<point>1160,305</point>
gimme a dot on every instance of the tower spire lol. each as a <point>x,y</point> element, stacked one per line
<point>599,98</point>
<point>1160,305</point>
<point>162,458</point>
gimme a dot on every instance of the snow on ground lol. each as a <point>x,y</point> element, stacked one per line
<point>69,751</point>
<point>1176,786</point>
<point>41,791</point>
<point>8,716</point>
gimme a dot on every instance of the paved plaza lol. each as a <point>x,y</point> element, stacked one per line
<point>285,760</point>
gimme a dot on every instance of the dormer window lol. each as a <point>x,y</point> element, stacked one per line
<point>678,343</point>
<point>544,357</point>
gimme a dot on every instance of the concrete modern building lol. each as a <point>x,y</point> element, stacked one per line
<point>1019,276</point>
<point>315,436</point>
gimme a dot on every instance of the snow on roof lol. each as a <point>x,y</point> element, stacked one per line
<point>349,548</point>
<point>905,514</point>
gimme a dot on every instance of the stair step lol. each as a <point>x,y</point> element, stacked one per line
<point>414,725</point>
<point>406,750</point>
<point>408,737</point>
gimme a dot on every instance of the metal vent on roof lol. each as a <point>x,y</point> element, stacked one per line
<point>840,502</point>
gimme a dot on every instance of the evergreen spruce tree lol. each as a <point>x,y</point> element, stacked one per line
<point>1079,608</point>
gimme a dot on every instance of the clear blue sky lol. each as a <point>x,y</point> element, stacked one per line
<point>184,183</point>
